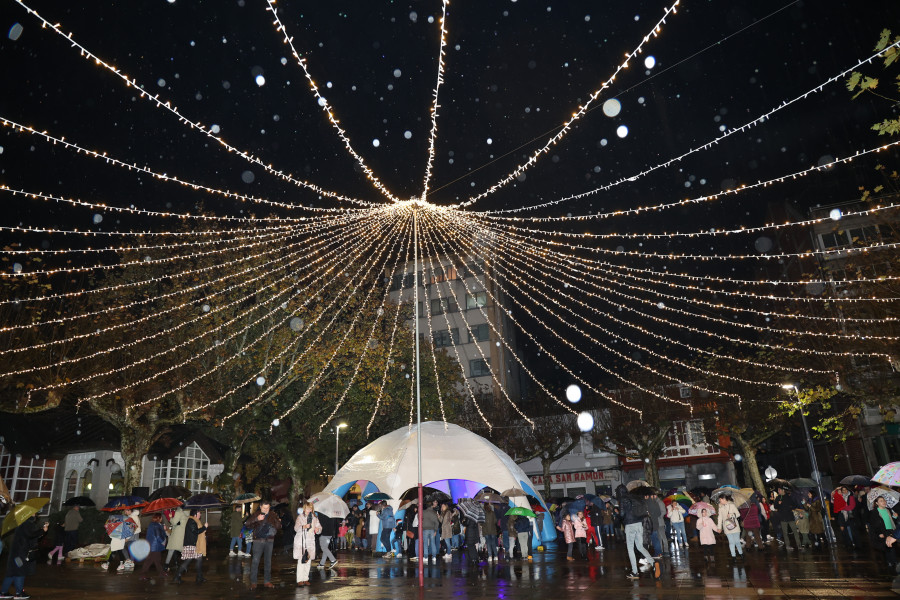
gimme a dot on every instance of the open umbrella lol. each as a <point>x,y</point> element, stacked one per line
<point>778,484</point>
<point>330,505</point>
<point>803,482</point>
<point>22,512</point>
<point>861,480</point>
<point>491,497</point>
<point>513,492</point>
<point>123,503</point>
<point>376,497</point>
<point>699,506</point>
<point>471,509</point>
<point>538,508</point>
<point>79,501</point>
<point>120,527</point>
<point>438,495</point>
<point>737,496</point>
<point>642,490</point>
<point>170,491</point>
<point>205,500</point>
<point>636,484</point>
<point>161,504</point>
<point>246,498</point>
<point>682,499</point>
<point>891,497</point>
<point>520,511</point>
<point>889,474</point>
<point>406,503</point>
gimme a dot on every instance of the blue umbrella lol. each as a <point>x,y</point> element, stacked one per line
<point>124,502</point>
<point>204,501</point>
<point>120,527</point>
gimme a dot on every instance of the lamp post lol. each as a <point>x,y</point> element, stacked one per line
<point>337,439</point>
<point>829,532</point>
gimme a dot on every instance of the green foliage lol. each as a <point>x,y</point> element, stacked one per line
<point>861,83</point>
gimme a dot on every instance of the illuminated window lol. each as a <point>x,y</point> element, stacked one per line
<point>189,469</point>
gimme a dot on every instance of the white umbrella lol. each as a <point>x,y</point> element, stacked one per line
<point>330,505</point>
<point>449,452</point>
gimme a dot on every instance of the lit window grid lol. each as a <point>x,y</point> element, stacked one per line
<point>190,468</point>
<point>26,477</point>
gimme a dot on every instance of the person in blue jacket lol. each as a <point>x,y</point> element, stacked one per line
<point>156,537</point>
<point>386,516</point>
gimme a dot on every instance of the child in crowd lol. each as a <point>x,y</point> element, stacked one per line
<point>707,529</point>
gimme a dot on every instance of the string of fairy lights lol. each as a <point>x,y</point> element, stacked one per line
<point>224,313</point>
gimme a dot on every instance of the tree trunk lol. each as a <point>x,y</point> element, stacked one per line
<point>651,473</point>
<point>752,466</point>
<point>296,483</point>
<point>546,462</point>
<point>134,447</point>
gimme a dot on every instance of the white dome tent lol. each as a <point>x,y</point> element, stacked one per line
<point>454,460</point>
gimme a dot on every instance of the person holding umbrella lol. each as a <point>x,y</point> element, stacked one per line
<point>305,529</point>
<point>22,556</point>
<point>784,507</point>
<point>633,511</point>
<point>265,524</point>
<point>177,524</point>
<point>730,524</point>
<point>156,537</point>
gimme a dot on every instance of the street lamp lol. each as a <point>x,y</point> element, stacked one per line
<point>829,532</point>
<point>337,439</point>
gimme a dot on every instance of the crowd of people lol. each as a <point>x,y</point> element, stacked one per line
<point>649,527</point>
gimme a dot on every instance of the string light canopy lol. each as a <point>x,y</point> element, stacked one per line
<point>220,304</point>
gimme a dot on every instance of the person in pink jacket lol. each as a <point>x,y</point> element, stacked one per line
<point>707,529</point>
<point>580,525</point>
<point>568,531</point>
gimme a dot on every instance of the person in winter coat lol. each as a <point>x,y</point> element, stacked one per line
<point>729,522</point>
<point>410,524</point>
<point>430,526</point>
<point>568,530</point>
<point>473,536</point>
<point>490,532</point>
<point>523,530</point>
<point>156,537</point>
<point>264,524</point>
<point>581,529</point>
<point>844,504</point>
<point>593,519</point>
<point>237,523</point>
<point>446,518</point>
<point>707,529</point>
<point>657,523</point>
<point>118,560</point>
<point>386,520</point>
<point>633,510</point>
<point>194,546</point>
<point>676,513</point>
<point>374,528</point>
<point>22,556</point>
<point>510,537</point>
<point>784,506</point>
<point>328,531</point>
<point>882,525</point>
<point>305,529</point>
<point>816,520</point>
<point>177,524</point>
<point>750,519</point>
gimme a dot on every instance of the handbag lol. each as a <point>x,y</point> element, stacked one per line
<point>410,534</point>
<point>730,523</point>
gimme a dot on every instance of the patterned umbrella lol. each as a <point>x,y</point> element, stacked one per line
<point>120,527</point>
<point>737,496</point>
<point>889,474</point>
<point>123,503</point>
<point>699,506</point>
<point>682,499</point>
<point>471,509</point>
<point>162,504</point>
<point>891,497</point>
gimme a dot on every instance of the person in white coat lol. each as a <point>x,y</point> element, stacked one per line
<point>305,527</point>
<point>730,524</point>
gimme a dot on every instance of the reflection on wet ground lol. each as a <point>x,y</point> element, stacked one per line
<point>358,575</point>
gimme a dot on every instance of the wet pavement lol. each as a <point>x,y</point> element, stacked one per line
<point>764,573</point>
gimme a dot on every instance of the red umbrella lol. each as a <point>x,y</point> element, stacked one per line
<point>538,508</point>
<point>162,504</point>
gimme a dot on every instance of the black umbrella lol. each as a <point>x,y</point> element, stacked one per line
<point>79,501</point>
<point>205,501</point>
<point>471,509</point>
<point>171,491</point>
<point>778,484</point>
<point>861,480</point>
<point>643,491</point>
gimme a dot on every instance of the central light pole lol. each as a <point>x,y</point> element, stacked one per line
<point>421,548</point>
<point>337,439</point>
<point>829,532</point>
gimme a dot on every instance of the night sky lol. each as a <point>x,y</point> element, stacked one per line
<point>515,72</point>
